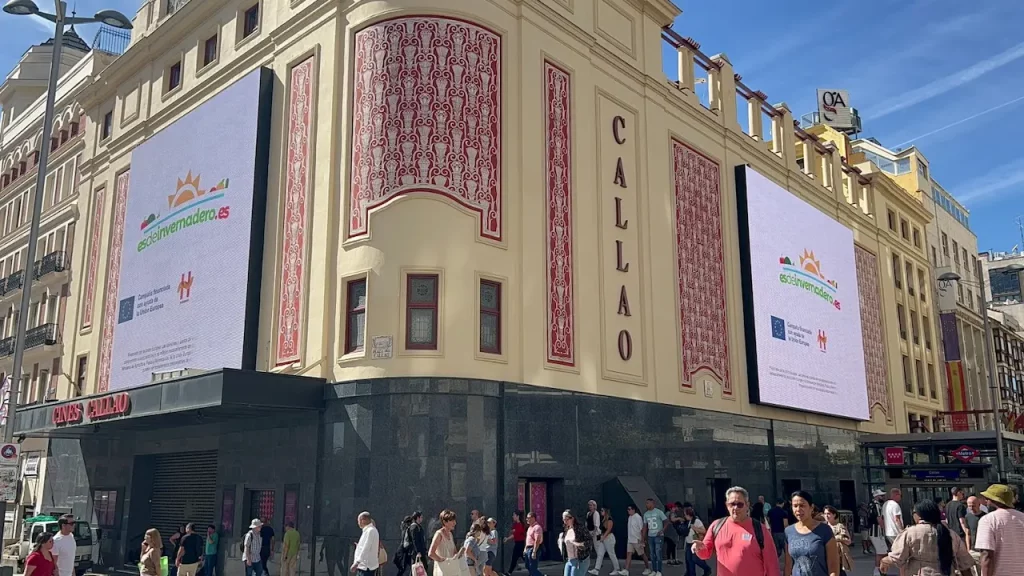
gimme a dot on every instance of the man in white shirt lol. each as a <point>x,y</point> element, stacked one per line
<point>252,544</point>
<point>367,556</point>
<point>892,517</point>
<point>634,539</point>
<point>64,546</point>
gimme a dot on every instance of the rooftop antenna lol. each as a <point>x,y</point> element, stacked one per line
<point>1020,229</point>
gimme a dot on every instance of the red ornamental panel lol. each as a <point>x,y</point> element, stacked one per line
<point>871,330</point>
<point>94,257</point>
<point>558,158</point>
<point>427,117</point>
<point>700,266</point>
<point>301,98</point>
<point>113,280</point>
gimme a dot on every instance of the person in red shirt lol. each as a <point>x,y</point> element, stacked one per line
<point>518,536</point>
<point>740,551</point>
<point>40,561</point>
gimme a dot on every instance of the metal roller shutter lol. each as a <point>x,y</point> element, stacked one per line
<point>184,490</point>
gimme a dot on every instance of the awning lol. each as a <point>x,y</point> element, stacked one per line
<point>212,396</point>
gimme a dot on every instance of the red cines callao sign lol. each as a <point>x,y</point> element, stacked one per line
<point>102,408</point>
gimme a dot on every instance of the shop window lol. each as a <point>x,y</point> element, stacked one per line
<point>251,21</point>
<point>421,312</point>
<point>104,505</point>
<point>227,511</point>
<point>291,504</point>
<point>210,50</point>
<point>355,322</point>
<point>261,504</point>
<point>490,317</point>
<point>108,125</point>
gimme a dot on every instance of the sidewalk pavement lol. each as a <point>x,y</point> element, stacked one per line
<point>862,566</point>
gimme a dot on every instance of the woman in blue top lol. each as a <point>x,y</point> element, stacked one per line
<point>811,548</point>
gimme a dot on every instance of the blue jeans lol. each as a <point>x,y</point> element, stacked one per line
<point>573,568</point>
<point>254,570</point>
<point>692,561</point>
<point>654,544</point>
<point>531,562</point>
<point>210,564</point>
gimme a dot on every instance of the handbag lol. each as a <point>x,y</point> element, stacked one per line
<point>382,555</point>
<point>418,569</point>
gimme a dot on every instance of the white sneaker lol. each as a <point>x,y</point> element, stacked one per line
<point>593,572</point>
<point>647,572</point>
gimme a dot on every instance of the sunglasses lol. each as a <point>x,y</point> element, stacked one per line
<point>736,505</point>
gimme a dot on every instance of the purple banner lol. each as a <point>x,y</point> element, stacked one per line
<point>950,336</point>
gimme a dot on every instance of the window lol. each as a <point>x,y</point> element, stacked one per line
<point>291,504</point>
<point>490,317</point>
<point>919,372</point>
<point>901,317</point>
<point>945,245</point>
<point>210,50</point>
<point>917,237</point>
<point>908,383</point>
<point>897,271</point>
<point>251,21</point>
<point>261,504</point>
<point>932,388</point>
<point>104,504</point>
<point>970,270</point>
<point>970,298</point>
<point>926,325</point>
<point>108,125</point>
<point>956,255</point>
<point>904,229</point>
<point>903,166</point>
<point>915,331</point>
<point>174,76</point>
<point>910,278</point>
<point>922,286</point>
<point>421,312</point>
<point>80,373</point>
<point>892,220</point>
<point>355,324</point>
<point>959,292</point>
<point>922,169</point>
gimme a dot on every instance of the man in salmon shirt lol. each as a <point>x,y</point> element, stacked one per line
<point>740,552</point>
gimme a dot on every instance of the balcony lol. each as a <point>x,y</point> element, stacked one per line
<point>40,337</point>
<point>7,347</point>
<point>12,283</point>
<point>52,262</point>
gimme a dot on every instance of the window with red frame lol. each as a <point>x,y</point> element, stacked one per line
<point>490,317</point>
<point>421,312</point>
<point>355,323</point>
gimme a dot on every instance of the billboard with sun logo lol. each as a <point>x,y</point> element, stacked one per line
<point>192,245</point>
<point>801,304</point>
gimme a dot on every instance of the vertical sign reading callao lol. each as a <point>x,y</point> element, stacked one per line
<point>625,339</point>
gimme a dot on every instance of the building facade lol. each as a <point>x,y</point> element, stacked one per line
<point>48,373</point>
<point>549,314</point>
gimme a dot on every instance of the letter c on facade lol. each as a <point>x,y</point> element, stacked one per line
<point>618,123</point>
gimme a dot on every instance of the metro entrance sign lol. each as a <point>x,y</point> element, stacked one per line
<point>965,454</point>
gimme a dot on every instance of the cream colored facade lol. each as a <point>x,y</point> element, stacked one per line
<point>566,197</point>
<point>952,247</point>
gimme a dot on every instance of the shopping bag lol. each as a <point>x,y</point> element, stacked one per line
<point>418,569</point>
<point>163,566</point>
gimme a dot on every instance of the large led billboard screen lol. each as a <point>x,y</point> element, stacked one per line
<point>192,246</point>
<point>801,304</point>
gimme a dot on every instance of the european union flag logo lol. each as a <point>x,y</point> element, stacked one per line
<point>778,328</point>
<point>126,310</point>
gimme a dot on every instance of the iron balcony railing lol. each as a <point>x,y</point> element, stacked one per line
<point>52,262</point>
<point>111,40</point>
<point>42,335</point>
<point>12,283</point>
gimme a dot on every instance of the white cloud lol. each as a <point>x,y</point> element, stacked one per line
<point>43,24</point>
<point>945,84</point>
<point>994,184</point>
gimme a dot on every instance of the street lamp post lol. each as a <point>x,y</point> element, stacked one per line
<point>989,363</point>
<point>60,20</point>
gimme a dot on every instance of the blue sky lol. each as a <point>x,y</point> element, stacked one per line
<point>917,70</point>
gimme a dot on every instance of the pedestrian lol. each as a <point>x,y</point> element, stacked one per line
<point>443,550</point>
<point>742,547</point>
<point>533,542</point>
<point>152,552</point>
<point>670,535</point>
<point>928,548</point>
<point>1000,534</point>
<point>842,535</point>
<point>974,515</point>
<point>471,547</point>
<point>811,546</point>
<point>267,548</point>
<point>778,520</point>
<point>956,514</point>
<point>593,521</point>
<point>65,548</point>
<point>572,544</point>
<point>210,551</point>
<point>290,550</point>
<point>695,531</point>
<point>251,545</point>
<point>606,545</point>
<point>876,521</point>
<point>493,540</point>
<point>367,556</point>
<point>41,561</point>
<point>190,552</point>
<point>635,539</point>
<point>654,531</point>
<point>518,537</point>
<point>892,516</point>
<point>175,542</point>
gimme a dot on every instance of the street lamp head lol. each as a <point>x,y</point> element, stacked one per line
<point>112,18</point>
<point>949,276</point>
<point>21,7</point>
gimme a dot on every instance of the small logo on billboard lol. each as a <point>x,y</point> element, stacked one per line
<point>185,287</point>
<point>778,328</point>
<point>807,276</point>
<point>126,310</point>
<point>188,206</point>
<point>822,340</point>
<point>965,454</point>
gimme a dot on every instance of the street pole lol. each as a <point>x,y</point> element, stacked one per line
<point>989,344</point>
